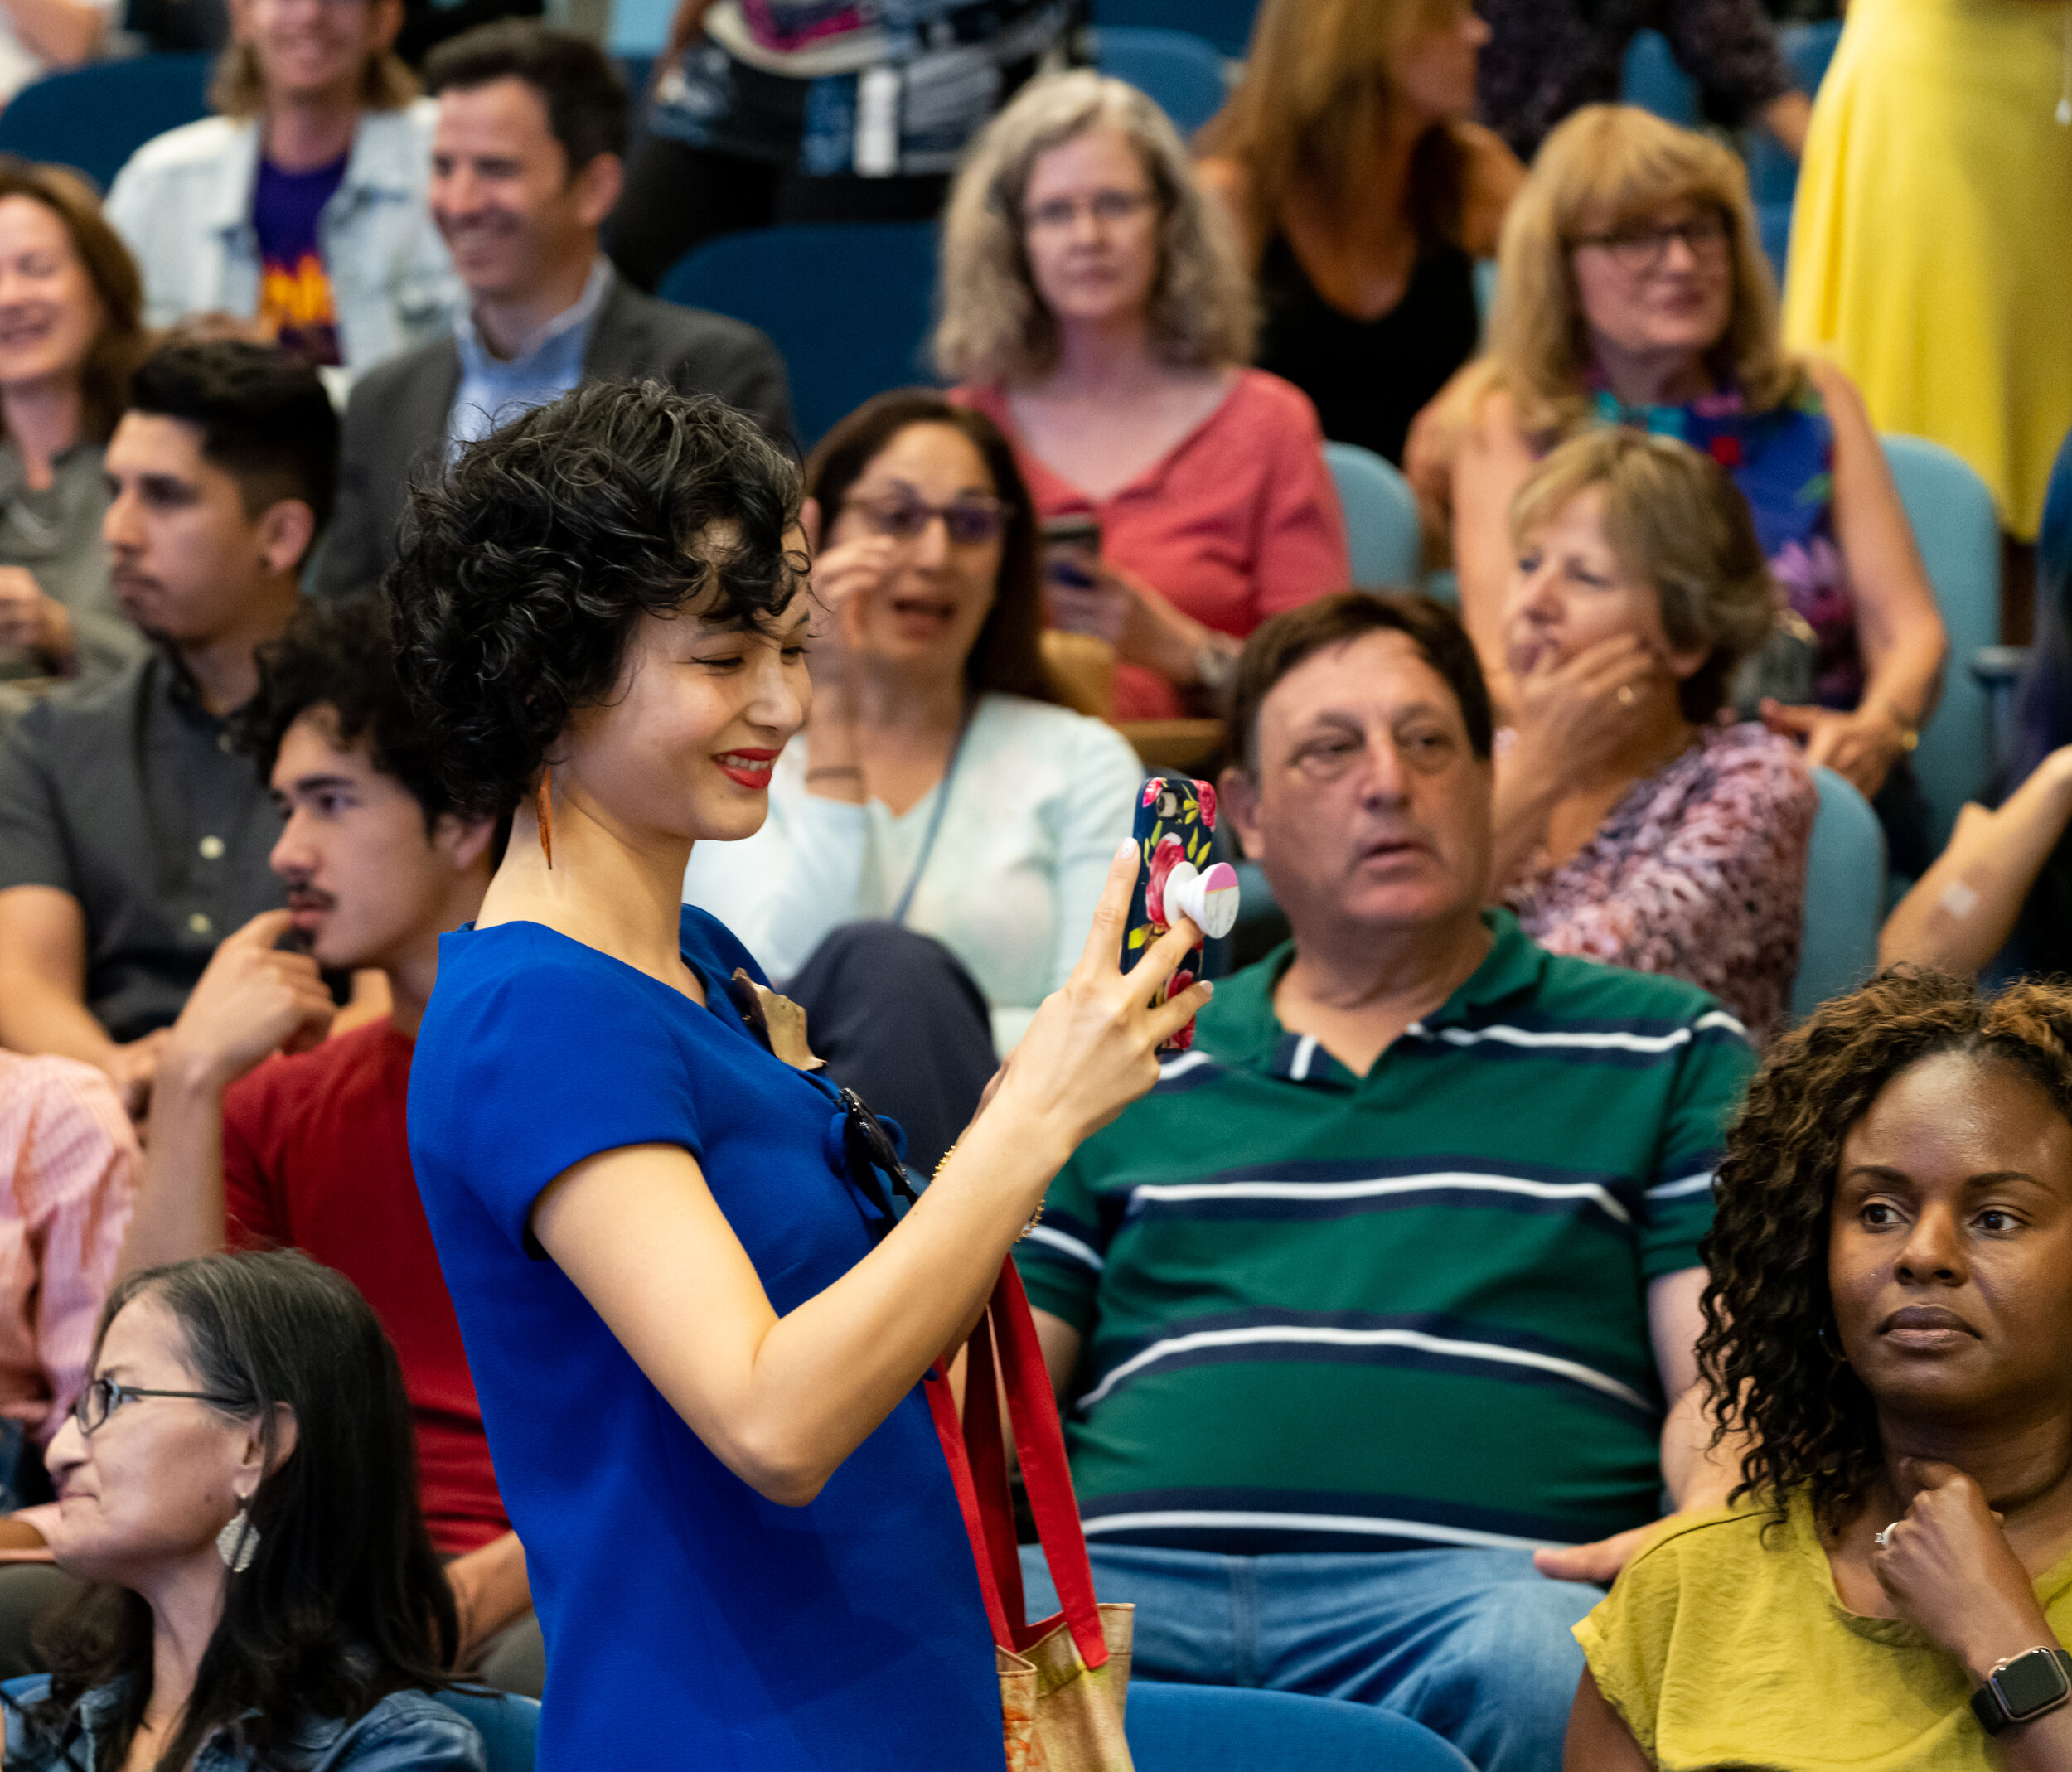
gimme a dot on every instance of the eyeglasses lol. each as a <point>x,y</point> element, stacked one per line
<point>1640,249</point>
<point>100,1399</point>
<point>1106,207</point>
<point>971,522</point>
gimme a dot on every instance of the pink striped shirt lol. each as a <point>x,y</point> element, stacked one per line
<point>72,1164</point>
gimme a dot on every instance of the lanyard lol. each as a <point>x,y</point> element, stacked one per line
<point>935,819</point>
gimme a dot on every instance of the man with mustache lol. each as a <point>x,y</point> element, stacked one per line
<point>249,1150</point>
<point>1392,1281</point>
<point>131,838</point>
<point>526,164</point>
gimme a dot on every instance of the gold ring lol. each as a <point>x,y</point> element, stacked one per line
<point>1626,697</point>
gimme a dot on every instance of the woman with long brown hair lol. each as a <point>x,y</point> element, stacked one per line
<point>941,818</point>
<point>69,335</point>
<point>1365,195</point>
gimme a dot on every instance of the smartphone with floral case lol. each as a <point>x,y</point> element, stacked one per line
<point>1175,824</point>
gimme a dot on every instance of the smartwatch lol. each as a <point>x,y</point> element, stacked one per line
<point>2022,1687</point>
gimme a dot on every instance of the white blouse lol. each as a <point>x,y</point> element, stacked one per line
<point>1040,800</point>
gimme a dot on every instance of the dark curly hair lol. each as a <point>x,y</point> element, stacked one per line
<point>526,566</point>
<point>340,656</point>
<point>1769,1317</point>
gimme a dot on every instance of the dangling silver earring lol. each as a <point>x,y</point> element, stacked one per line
<point>238,1543</point>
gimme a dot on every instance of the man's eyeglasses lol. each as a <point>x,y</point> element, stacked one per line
<point>971,520</point>
<point>1107,207</point>
<point>1640,249</point>
<point>98,1400</point>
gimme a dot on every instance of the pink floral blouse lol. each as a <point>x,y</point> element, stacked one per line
<point>1699,871</point>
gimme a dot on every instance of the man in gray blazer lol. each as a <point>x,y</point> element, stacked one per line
<point>527,164</point>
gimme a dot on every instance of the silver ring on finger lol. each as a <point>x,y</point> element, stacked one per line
<point>1626,698</point>
<point>1881,1539</point>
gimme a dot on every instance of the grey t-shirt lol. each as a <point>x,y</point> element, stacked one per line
<point>130,796</point>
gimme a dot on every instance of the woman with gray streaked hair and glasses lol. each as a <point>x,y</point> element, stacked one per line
<point>1095,307</point>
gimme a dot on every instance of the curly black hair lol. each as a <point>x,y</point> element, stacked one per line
<point>1770,1322</point>
<point>526,566</point>
<point>340,656</point>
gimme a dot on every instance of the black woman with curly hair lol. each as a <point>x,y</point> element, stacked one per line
<point>698,1340</point>
<point>1890,1320</point>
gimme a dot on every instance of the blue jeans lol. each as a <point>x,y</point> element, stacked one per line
<point>1473,1644</point>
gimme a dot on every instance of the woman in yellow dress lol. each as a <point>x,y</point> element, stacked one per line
<point>1931,251</point>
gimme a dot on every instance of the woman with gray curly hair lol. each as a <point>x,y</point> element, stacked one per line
<point>1631,826</point>
<point>1094,307</point>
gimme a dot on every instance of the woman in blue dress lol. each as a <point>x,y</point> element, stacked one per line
<point>698,1340</point>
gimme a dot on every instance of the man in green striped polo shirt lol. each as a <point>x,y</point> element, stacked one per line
<point>1392,1284</point>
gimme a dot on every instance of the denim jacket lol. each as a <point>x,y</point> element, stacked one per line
<point>407,1731</point>
<point>183,204</point>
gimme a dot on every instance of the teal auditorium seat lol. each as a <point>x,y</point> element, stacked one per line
<point>1182,71</point>
<point>1652,80</point>
<point>1238,1729</point>
<point>1845,897</point>
<point>509,1726</point>
<point>1225,23</point>
<point>94,118</point>
<point>847,304</point>
<point>1959,530</point>
<point>1381,518</point>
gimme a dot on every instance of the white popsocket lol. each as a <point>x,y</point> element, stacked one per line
<point>1208,899</point>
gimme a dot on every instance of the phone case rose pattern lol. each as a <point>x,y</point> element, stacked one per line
<point>1175,819</point>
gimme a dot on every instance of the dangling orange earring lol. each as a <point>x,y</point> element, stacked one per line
<point>543,809</point>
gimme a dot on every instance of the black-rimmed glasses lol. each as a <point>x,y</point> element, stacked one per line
<point>1641,248</point>
<point>99,1399</point>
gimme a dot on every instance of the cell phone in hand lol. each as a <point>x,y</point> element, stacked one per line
<point>1176,878</point>
<point>1071,549</point>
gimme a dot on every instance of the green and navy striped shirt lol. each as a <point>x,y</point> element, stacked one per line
<point>1324,1312</point>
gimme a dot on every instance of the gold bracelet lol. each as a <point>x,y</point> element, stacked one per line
<point>1035,1218</point>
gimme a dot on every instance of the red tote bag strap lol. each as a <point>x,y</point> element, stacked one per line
<point>1040,1443</point>
<point>974,1449</point>
<point>986,1450</point>
<point>942,1407</point>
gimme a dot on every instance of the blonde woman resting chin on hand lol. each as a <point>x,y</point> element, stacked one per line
<point>1631,826</point>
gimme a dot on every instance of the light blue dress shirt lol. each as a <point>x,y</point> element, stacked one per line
<point>494,390</point>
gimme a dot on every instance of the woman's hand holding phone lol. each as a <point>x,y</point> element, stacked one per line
<point>1092,1048</point>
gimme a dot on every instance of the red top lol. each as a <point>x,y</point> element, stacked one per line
<point>317,1157</point>
<point>1237,521</point>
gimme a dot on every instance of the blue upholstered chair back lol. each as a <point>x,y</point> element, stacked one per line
<point>94,118</point>
<point>1182,71</point>
<point>1845,896</point>
<point>1958,531</point>
<point>1381,518</point>
<point>848,304</point>
<point>509,1726</point>
<point>1229,1729</point>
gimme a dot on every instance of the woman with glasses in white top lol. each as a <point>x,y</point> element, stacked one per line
<point>939,834</point>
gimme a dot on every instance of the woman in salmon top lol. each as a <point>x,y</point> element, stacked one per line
<point>1094,307</point>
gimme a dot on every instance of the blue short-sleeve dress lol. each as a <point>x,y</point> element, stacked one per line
<point>689,1622</point>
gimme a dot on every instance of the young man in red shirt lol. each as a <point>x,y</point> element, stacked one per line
<point>270,1130</point>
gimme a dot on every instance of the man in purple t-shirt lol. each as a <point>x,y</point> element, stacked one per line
<point>294,287</point>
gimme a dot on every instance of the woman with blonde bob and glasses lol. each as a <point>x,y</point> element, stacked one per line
<point>1365,196</point>
<point>1631,826</point>
<point>1094,307</point>
<point>1632,290</point>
